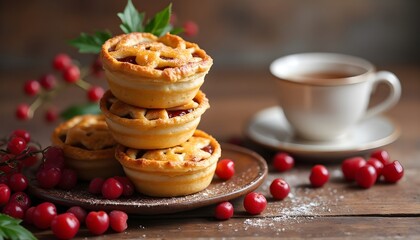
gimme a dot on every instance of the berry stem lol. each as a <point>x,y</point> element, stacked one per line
<point>83,84</point>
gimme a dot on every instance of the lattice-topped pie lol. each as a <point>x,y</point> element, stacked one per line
<point>181,170</point>
<point>152,128</point>
<point>88,146</point>
<point>150,72</point>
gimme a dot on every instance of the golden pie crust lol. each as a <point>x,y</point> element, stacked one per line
<point>181,170</point>
<point>143,128</point>
<point>141,68</point>
<point>88,146</point>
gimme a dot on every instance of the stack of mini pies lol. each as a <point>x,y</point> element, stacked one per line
<point>153,108</point>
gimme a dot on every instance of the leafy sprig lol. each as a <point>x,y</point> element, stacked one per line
<point>10,228</point>
<point>131,21</point>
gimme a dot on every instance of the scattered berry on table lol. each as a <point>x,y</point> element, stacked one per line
<point>279,189</point>
<point>350,166</point>
<point>381,155</point>
<point>366,176</point>
<point>223,211</point>
<point>255,203</point>
<point>377,164</point>
<point>319,175</point>
<point>283,162</point>
<point>79,212</point>
<point>65,226</point>
<point>225,169</point>
<point>393,172</point>
<point>118,220</point>
<point>43,215</point>
<point>97,222</point>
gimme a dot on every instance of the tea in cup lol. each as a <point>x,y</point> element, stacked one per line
<point>323,95</point>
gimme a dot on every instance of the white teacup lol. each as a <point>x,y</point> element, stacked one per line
<point>323,95</point>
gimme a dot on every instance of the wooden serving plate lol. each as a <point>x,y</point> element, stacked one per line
<point>250,172</point>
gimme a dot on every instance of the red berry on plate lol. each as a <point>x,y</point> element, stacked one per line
<point>350,166</point>
<point>14,210</point>
<point>43,215</point>
<point>68,179</point>
<point>79,212</point>
<point>381,155</point>
<point>29,215</point>
<point>48,81</point>
<point>65,226</point>
<point>22,199</point>
<point>366,176</point>
<point>223,211</point>
<point>190,28</point>
<point>95,93</point>
<point>118,220</point>
<point>255,203</point>
<point>283,162</point>
<point>31,87</point>
<point>21,133</point>
<point>23,112</point>
<point>128,186</point>
<point>54,158</point>
<point>112,189</point>
<point>225,169</point>
<point>319,176</point>
<point>48,177</point>
<point>279,189</point>
<point>16,145</point>
<point>376,164</point>
<point>71,74</point>
<point>95,185</point>
<point>61,61</point>
<point>32,157</point>
<point>4,194</point>
<point>97,222</point>
<point>18,182</point>
<point>393,172</point>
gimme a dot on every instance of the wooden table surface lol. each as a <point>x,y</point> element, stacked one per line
<point>337,210</point>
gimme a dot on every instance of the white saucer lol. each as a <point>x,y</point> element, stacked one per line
<point>270,128</point>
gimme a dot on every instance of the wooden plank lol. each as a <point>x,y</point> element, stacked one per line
<point>268,227</point>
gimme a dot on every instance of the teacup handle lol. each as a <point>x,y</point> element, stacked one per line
<point>395,92</point>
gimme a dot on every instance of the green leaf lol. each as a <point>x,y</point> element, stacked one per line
<point>176,31</point>
<point>82,109</point>
<point>158,25</point>
<point>132,20</point>
<point>10,228</point>
<point>90,43</point>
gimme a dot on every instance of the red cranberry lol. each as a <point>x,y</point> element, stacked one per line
<point>366,176</point>
<point>65,226</point>
<point>118,220</point>
<point>54,158</point>
<point>350,167</point>
<point>14,210</point>
<point>79,212</point>
<point>48,177</point>
<point>190,28</point>
<point>112,189</point>
<point>95,185</point>
<point>128,186</point>
<point>16,145</point>
<point>4,194</point>
<point>283,162</point>
<point>319,176</point>
<point>279,189</point>
<point>18,182</point>
<point>48,81</point>
<point>61,61</point>
<point>43,215</point>
<point>223,211</point>
<point>71,74</point>
<point>393,172</point>
<point>22,199</point>
<point>31,87</point>
<point>29,215</point>
<point>32,157</point>
<point>95,93</point>
<point>376,164</point>
<point>23,112</point>
<point>225,169</point>
<point>255,203</point>
<point>381,155</point>
<point>21,133</point>
<point>97,222</point>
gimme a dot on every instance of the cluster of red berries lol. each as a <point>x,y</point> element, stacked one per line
<point>367,172</point>
<point>47,86</point>
<point>112,188</point>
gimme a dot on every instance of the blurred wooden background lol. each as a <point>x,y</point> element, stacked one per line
<point>242,36</point>
<point>237,33</point>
